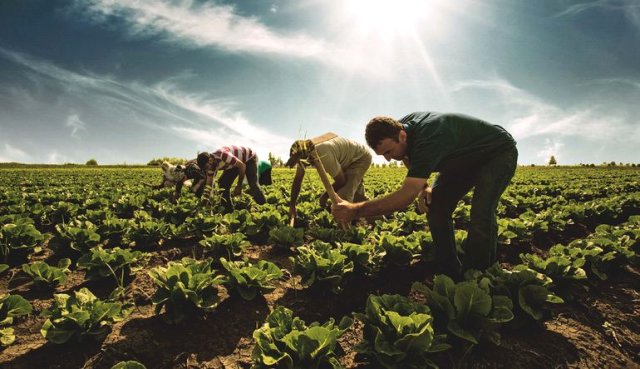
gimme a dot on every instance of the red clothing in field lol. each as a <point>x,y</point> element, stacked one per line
<point>226,157</point>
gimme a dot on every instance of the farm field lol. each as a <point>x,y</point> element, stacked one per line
<point>108,270</point>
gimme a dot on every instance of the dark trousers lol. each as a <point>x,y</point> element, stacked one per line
<point>265,178</point>
<point>228,176</point>
<point>489,182</point>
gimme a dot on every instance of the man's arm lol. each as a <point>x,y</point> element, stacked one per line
<point>345,211</point>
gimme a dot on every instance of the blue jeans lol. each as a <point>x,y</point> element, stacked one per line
<point>489,181</point>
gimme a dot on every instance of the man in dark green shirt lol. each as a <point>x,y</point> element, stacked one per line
<point>468,153</point>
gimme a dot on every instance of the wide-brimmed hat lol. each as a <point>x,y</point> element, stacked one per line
<point>300,150</point>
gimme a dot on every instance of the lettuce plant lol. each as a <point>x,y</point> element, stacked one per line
<point>113,229</point>
<point>61,212</point>
<point>232,245</point>
<point>466,309</point>
<point>44,274</point>
<point>248,279</point>
<point>319,262</point>
<point>286,236</point>
<point>11,306</point>
<point>18,237</point>
<point>398,333</point>
<point>606,251</point>
<point>201,225</point>
<point>410,222</point>
<point>330,235</point>
<point>565,271</point>
<point>285,341</point>
<point>527,289</point>
<point>75,237</point>
<point>183,286</point>
<point>400,250</point>
<point>366,258</point>
<point>126,205</point>
<point>240,221</point>
<point>267,220</point>
<point>144,233</point>
<point>80,316</point>
<point>101,263</point>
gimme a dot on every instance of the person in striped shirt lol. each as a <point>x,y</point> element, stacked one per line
<point>233,161</point>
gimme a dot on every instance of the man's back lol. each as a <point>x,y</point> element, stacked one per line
<point>340,152</point>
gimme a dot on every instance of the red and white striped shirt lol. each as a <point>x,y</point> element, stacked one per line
<point>226,157</point>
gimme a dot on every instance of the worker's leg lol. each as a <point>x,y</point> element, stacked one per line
<point>491,181</point>
<point>252,178</point>
<point>224,184</point>
<point>447,190</point>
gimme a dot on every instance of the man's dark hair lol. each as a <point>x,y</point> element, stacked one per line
<point>203,158</point>
<point>380,128</point>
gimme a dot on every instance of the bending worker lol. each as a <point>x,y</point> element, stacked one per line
<point>346,161</point>
<point>468,153</point>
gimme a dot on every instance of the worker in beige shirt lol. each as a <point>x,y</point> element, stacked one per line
<point>344,160</point>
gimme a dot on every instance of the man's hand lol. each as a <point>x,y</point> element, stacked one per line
<point>424,200</point>
<point>238,190</point>
<point>344,211</point>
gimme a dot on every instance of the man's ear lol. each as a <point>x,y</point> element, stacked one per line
<point>402,136</point>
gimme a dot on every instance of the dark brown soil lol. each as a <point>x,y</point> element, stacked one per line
<point>599,329</point>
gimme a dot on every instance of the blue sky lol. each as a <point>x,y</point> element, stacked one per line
<point>128,81</point>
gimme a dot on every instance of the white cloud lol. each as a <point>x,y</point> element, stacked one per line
<point>76,125</point>
<point>201,25</point>
<point>162,106</point>
<point>528,115</point>
<point>13,154</point>
<point>54,157</point>
<point>188,24</point>
<point>551,148</point>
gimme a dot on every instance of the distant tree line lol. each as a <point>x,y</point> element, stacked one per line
<point>174,161</point>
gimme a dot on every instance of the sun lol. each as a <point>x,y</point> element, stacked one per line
<point>389,16</point>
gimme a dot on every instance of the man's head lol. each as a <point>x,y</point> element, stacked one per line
<point>387,137</point>
<point>300,150</point>
<point>203,159</point>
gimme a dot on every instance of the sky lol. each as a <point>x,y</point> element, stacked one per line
<point>129,81</point>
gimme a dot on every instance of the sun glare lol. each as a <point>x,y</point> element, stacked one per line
<point>389,16</point>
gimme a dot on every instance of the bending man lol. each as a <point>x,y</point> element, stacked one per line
<point>233,161</point>
<point>468,153</point>
<point>346,161</point>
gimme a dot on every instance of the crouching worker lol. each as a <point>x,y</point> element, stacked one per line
<point>188,174</point>
<point>233,161</point>
<point>467,153</point>
<point>346,161</point>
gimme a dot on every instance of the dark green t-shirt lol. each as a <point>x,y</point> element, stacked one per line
<point>452,143</point>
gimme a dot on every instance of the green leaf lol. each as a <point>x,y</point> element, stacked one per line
<point>469,299</point>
